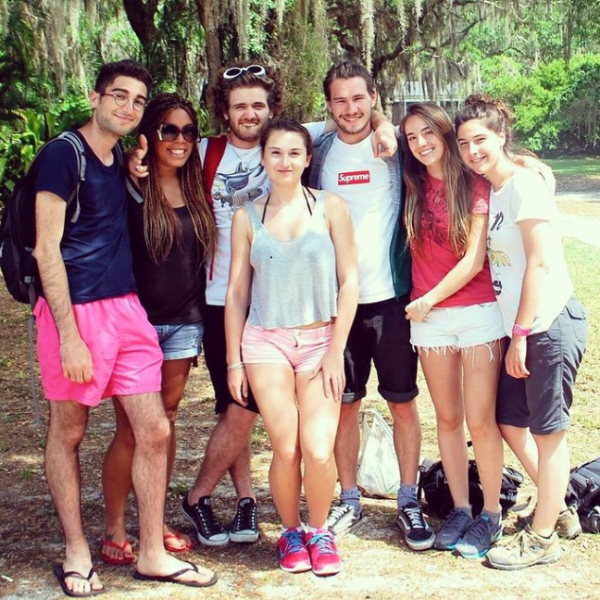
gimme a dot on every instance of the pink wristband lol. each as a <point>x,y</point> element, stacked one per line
<point>520,330</point>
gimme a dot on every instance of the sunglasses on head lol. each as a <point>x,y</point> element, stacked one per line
<point>168,132</point>
<point>234,72</point>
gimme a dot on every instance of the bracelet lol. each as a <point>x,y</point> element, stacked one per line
<point>420,308</point>
<point>234,366</point>
<point>520,330</point>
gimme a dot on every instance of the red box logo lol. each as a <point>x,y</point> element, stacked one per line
<point>354,177</point>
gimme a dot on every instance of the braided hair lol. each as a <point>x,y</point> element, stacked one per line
<point>162,227</point>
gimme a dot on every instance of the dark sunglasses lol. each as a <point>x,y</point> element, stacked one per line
<point>234,72</point>
<point>168,132</point>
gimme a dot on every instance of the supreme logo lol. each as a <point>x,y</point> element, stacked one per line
<point>354,177</point>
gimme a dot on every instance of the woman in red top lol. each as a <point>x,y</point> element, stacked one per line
<point>456,324</point>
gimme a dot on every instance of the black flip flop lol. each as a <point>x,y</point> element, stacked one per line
<point>173,577</point>
<point>62,575</point>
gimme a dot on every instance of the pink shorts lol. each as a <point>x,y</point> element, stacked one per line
<point>300,348</point>
<point>126,357</point>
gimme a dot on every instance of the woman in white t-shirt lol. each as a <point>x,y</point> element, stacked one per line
<point>547,327</point>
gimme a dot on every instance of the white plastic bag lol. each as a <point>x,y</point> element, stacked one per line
<point>378,473</point>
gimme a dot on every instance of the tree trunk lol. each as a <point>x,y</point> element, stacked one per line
<point>207,10</point>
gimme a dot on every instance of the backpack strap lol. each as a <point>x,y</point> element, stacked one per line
<point>77,144</point>
<point>214,153</point>
<point>133,190</point>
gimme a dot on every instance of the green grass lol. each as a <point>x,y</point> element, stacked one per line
<point>586,165</point>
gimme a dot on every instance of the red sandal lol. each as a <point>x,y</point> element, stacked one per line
<point>176,536</point>
<point>127,557</point>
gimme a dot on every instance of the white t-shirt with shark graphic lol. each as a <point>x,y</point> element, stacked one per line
<point>239,178</point>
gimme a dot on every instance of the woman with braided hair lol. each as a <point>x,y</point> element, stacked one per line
<point>172,232</point>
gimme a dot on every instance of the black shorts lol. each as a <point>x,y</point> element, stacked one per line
<point>215,354</point>
<point>381,333</point>
<point>542,400</point>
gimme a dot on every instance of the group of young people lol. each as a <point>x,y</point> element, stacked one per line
<point>296,257</point>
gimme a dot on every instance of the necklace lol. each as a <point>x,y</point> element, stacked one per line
<point>247,161</point>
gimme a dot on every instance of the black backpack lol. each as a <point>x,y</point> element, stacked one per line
<point>434,486</point>
<point>17,231</point>
<point>584,493</point>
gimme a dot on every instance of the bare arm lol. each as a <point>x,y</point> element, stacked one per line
<point>537,166</point>
<point>236,304</point>
<point>342,234</point>
<point>467,267</point>
<point>50,211</point>
<point>385,141</point>
<point>536,235</point>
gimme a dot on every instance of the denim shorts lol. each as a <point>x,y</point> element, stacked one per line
<point>180,341</point>
<point>458,327</point>
<point>542,400</point>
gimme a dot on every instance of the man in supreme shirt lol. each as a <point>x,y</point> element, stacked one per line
<point>344,163</point>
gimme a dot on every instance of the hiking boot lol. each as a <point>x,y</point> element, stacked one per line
<point>244,527</point>
<point>210,531</point>
<point>567,524</point>
<point>342,518</point>
<point>479,537</point>
<point>323,553</point>
<point>417,533</point>
<point>292,551</point>
<point>526,549</point>
<point>454,527</point>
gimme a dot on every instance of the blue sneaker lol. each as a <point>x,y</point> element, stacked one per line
<point>479,537</point>
<point>455,526</point>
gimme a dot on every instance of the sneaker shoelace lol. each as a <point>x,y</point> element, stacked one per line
<point>293,541</point>
<point>481,527</point>
<point>337,512</point>
<point>245,517</point>
<point>415,516</point>
<point>209,521</point>
<point>323,542</point>
<point>456,519</point>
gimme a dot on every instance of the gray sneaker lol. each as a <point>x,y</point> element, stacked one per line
<point>479,537</point>
<point>524,550</point>
<point>454,527</point>
<point>567,524</point>
<point>342,518</point>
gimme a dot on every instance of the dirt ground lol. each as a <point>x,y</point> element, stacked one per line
<point>377,564</point>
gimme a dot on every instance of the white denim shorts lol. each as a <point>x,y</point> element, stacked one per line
<point>458,327</point>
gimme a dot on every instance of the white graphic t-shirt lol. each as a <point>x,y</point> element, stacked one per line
<point>240,178</point>
<point>365,183</point>
<point>525,196</point>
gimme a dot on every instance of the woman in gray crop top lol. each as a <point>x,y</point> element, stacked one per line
<point>295,249</point>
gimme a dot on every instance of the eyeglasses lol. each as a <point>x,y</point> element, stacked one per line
<point>233,72</point>
<point>123,100</point>
<point>168,132</point>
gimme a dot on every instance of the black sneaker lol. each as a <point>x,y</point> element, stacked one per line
<point>244,527</point>
<point>210,531</point>
<point>417,533</point>
<point>342,518</point>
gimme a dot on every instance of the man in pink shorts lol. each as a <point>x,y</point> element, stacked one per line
<point>94,339</point>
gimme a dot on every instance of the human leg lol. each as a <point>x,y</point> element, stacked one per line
<point>174,378</point>
<point>68,423</point>
<point>151,429</point>
<point>274,389</point>
<point>116,485</point>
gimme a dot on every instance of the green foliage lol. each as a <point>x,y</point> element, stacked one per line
<point>23,136</point>
<point>555,103</point>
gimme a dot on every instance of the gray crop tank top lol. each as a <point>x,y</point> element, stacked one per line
<point>294,282</point>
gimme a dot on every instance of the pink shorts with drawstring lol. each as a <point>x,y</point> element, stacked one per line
<point>126,357</point>
<point>302,349</point>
